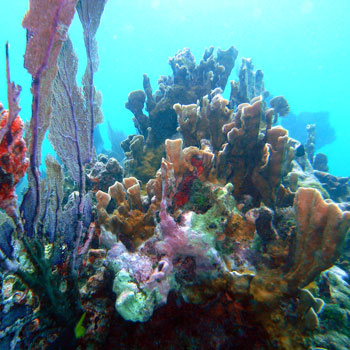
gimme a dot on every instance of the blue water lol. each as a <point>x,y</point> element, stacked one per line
<point>303,47</point>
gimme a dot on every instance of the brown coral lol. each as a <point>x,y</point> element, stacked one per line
<point>244,150</point>
<point>204,120</point>
<point>129,221</point>
<point>256,156</point>
<point>267,179</point>
<point>321,230</point>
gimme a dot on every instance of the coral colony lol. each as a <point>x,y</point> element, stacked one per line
<point>216,233</point>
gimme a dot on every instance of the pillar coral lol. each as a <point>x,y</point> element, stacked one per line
<point>13,162</point>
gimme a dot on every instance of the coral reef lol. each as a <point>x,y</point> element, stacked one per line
<point>179,239</point>
<point>221,235</point>
<point>189,83</point>
<point>216,247</point>
<point>194,92</point>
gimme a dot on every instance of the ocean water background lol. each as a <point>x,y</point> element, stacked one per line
<point>303,47</point>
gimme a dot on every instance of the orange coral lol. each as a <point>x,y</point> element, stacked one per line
<point>182,159</point>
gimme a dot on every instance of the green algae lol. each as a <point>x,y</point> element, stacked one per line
<point>200,197</point>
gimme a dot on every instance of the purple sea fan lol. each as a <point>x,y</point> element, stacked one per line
<point>90,12</point>
<point>47,23</point>
<point>69,133</point>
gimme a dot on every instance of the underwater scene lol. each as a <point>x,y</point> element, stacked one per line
<point>174,175</point>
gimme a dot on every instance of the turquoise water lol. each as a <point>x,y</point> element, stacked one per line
<point>303,47</point>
